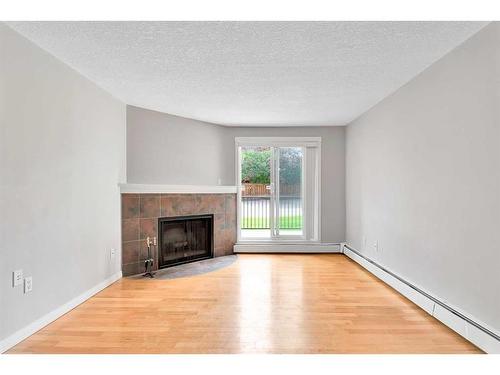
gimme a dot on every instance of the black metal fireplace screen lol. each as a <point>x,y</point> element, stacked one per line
<point>184,239</point>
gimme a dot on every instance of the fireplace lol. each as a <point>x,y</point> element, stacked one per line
<point>184,239</point>
<point>141,214</point>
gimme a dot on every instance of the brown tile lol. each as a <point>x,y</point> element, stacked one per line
<point>166,203</point>
<point>218,242</point>
<point>229,240</point>
<point>219,222</point>
<point>177,204</point>
<point>148,228</point>
<point>231,204</point>
<point>130,230</point>
<point>219,204</point>
<point>219,233</point>
<point>130,252</point>
<point>231,223</point>
<point>192,204</point>
<point>225,242</point>
<point>223,251</point>
<point>183,204</point>
<point>131,269</point>
<point>202,204</point>
<point>130,206</point>
<point>149,205</point>
<point>230,214</point>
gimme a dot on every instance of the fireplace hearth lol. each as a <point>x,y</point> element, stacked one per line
<point>184,239</point>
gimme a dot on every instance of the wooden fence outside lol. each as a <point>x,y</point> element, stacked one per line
<point>260,190</point>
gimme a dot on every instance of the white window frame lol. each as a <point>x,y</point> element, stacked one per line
<point>311,233</point>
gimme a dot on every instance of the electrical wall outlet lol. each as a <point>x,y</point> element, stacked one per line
<point>112,253</point>
<point>28,284</point>
<point>17,278</point>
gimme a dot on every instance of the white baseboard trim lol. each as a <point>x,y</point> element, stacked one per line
<point>38,324</point>
<point>472,330</point>
<point>287,248</point>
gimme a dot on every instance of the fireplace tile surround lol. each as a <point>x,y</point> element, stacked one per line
<point>140,213</point>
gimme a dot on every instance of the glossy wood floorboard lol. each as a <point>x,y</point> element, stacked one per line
<point>260,304</point>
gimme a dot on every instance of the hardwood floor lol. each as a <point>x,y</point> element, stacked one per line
<point>260,304</point>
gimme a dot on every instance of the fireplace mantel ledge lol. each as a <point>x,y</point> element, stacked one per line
<point>177,189</point>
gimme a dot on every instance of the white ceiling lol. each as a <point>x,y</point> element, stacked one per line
<point>250,73</point>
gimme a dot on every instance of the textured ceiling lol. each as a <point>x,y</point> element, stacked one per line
<point>250,73</point>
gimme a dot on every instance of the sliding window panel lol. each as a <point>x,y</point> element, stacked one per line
<point>289,192</point>
<point>256,219</point>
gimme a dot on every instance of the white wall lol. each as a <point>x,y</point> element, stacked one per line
<point>62,154</point>
<point>423,179</point>
<point>166,149</point>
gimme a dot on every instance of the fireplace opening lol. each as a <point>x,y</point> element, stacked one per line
<point>184,239</point>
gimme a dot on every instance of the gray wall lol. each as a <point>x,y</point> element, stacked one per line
<point>166,149</point>
<point>62,154</point>
<point>423,179</point>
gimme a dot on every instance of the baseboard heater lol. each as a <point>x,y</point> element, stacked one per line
<point>488,340</point>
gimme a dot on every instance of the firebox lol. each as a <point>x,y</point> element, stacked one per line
<point>184,239</point>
